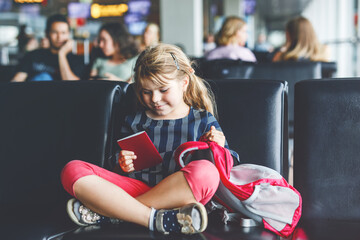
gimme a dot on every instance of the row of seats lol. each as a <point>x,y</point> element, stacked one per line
<point>292,72</point>
<point>44,125</point>
<point>289,71</point>
<point>237,69</point>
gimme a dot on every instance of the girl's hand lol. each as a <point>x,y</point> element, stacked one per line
<point>215,136</point>
<point>126,159</point>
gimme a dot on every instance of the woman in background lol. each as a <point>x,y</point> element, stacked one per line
<point>231,41</point>
<point>150,37</point>
<point>301,43</point>
<point>120,50</point>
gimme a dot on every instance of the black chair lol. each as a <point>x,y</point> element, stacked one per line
<point>7,72</point>
<point>225,69</point>
<point>43,126</point>
<point>255,127</point>
<point>326,156</point>
<point>252,114</point>
<point>292,72</point>
<point>262,56</point>
<point>328,69</point>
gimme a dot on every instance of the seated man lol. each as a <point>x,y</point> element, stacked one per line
<point>53,63</point>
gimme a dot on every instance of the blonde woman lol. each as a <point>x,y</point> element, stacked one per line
<point>231,41</point>
<point>301,43</point>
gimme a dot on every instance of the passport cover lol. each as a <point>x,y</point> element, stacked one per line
<point>140,143</point>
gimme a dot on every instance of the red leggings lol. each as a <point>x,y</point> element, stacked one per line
<point>202,177</point>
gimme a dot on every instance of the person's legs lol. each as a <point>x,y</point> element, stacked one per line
<point>197,181</point>
<point>107,199</point>
<point>173,191</point>
<point>106,192</point>
<point>203,179</point>
<point>76,169</point>
<point>112,200</point>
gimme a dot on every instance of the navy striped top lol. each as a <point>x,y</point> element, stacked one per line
<point>167,135</point>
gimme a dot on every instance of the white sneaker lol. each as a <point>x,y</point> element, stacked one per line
<point>192,219</point>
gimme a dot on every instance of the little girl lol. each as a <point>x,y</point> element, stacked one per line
<point>178,108</point>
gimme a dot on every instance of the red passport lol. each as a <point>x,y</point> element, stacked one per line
<point>140,143</point>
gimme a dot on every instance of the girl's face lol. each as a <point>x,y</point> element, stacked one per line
<point>165,102</point>
<point>106,43</point>
<point>241,35</point>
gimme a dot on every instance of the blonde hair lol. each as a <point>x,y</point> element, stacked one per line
<point>227,33</point>
<point>303,42</point>
<point>170,60</point>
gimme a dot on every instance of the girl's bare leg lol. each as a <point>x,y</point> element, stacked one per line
<point>173,191</point>
<point>109,200</point>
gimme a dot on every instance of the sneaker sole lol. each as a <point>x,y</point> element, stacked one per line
<point>185,220</point>
<point>70,211</point>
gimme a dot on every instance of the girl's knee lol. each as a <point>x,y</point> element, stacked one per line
<point>73,163</point>
<point>72,171</point>
<point>203,178</point>
<point>205,171</point>
<point>71,168</point>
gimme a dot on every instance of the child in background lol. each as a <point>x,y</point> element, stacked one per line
<point>177,107</point>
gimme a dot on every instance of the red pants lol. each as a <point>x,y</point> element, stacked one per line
<point>202,177</point>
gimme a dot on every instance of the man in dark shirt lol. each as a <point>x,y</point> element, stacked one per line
<point>55,63</point>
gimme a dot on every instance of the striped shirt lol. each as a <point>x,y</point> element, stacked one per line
<point>167,135</point>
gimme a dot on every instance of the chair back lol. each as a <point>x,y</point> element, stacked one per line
<point>225,69</point>
<point>327,148</point>
<point>328,69</point>
<point>252,114</point>
<point>292,72</point>
<point>43,126</point>
<point>7,72</point>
